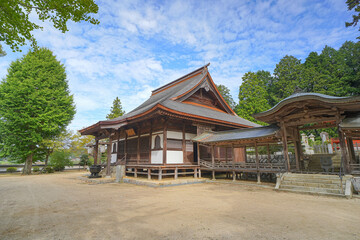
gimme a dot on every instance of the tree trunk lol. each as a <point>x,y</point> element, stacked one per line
<point>28,165</point>
<point>46,160</point>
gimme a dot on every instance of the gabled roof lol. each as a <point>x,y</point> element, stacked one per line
<point>170,98</point>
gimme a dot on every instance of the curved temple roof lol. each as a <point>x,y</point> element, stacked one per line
<point>298,97</point>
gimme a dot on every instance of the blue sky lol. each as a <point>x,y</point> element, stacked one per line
<point>141,45</point>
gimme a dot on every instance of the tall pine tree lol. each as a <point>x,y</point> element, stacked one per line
<point>116,109</point>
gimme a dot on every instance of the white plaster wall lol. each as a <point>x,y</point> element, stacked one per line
<point>174,135</point>
<point>174,157</point>
<point>112,146</point>
<point>113,157</point>
<point>189,136</point>
<point>153,140</point>
<point>157,157</point>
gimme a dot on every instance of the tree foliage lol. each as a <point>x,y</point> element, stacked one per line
<point>253,97</point>
<point>354,4</point>
<point>225,93</point>
<point>79,142</point>
<point>35,105</point>
<point>116,109</point>
<point>332,72</point>
<point>16,26</point>
<point>60,159</point>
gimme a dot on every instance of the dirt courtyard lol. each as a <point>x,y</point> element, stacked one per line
<point>60,206</point>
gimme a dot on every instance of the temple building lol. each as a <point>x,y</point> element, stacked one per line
<point>157,135</point>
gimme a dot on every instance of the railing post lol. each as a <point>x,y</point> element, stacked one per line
<point>149,173</point>
<point>176,173</point>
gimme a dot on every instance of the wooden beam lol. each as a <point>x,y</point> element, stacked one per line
<point>150,142</point>
<point>108,157</point>
<point>285,144</point>
<point>343,151</point>
<point>125,146</point>
<point>138,146</point>
<point>257,162</point>
<point>319,125</point>
<point>96,151</point>
<point>184,143</point>
<point>350,145</point>
<point>165,142</point>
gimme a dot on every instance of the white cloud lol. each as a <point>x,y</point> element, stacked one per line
<point>141,45</point>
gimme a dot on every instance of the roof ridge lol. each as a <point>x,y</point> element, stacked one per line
<point>168,85</point>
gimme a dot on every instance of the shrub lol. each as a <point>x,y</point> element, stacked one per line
<point>36,169</point>
<point>49,169</point>
<point>11,169</point>
<point>60,159</point>
<point>84,160</point>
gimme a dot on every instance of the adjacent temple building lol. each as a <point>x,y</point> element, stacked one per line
<point>186,127</point>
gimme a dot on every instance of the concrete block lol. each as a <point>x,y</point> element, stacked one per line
<point>348,189</point>
<point>120,173</point>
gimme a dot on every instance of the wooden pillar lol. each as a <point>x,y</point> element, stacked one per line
<point>257,162</point>
<point>351,150</point>
<point>176,173</point>
<point>125,147</point>
<point>343,151</point>
<point>245,154</point>
<point>199,173</point>
<point>96,151</point>
<point>213,161</point>
<point>268,153</point>
<point>165,142</point>
<point>195,172</point>
<point>138,146</point>
<point>150,141</point>
<point>135,172</point>
<point>118,144</point>
<point>198,152</point>
<point>108,158</point>
<point>297,148</point>
<point>285,145</point>
<point>184,144</point>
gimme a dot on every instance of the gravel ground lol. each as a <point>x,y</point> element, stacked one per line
<point>60,206</point>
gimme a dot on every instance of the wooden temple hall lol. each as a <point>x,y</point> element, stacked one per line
<point>187,128</point>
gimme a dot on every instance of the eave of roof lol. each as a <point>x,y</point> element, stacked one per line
<point>352,122</point>
<point>238,134</point>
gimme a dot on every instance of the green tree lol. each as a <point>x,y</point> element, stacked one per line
<point>225,93</point>
<point>35,104</point>
<point>350,54</point>
<point>48,146</point>
<point>354,4</point>
<point>16,26</point>
<point>79,143</point>
<point>2,52</point>
<point>287,76</point>
<point>116,109</point>
<point>59,159</point>
<point>253,97</point>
